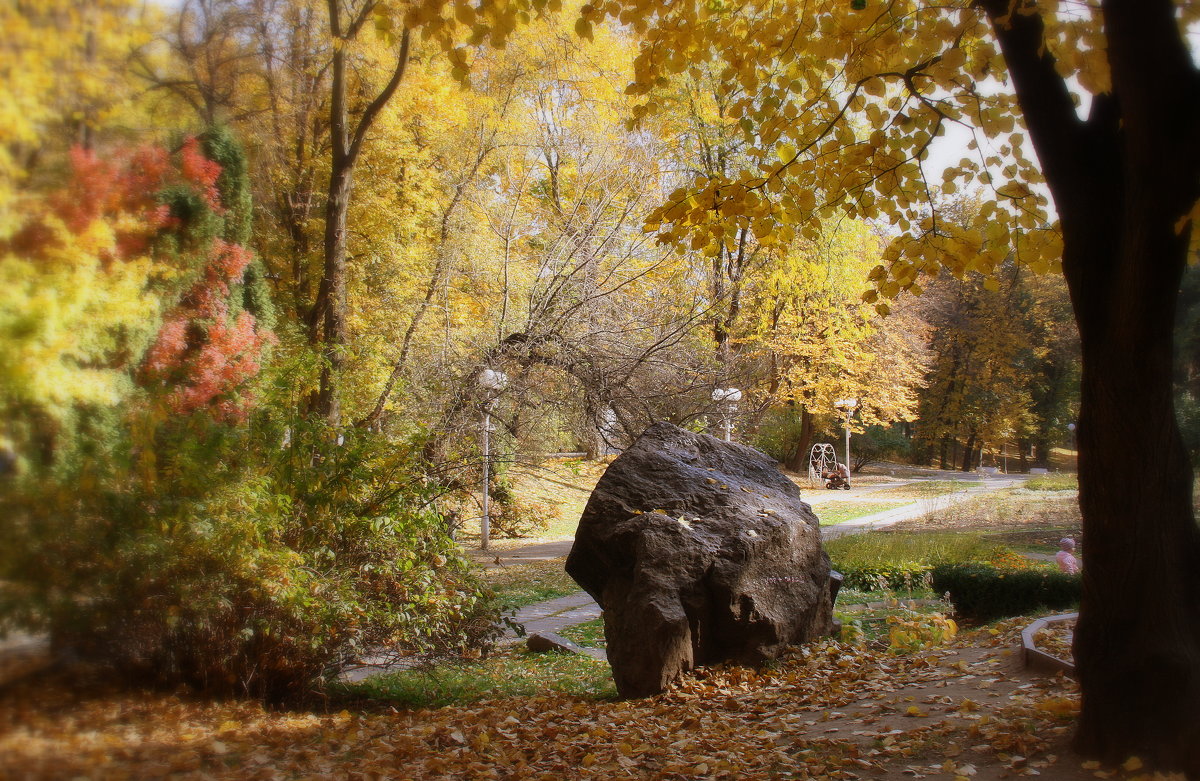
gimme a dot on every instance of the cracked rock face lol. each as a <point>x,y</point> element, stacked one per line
<point>699,551</point>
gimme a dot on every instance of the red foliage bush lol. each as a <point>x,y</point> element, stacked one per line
<point>201,172</point>
<point>204,356</point>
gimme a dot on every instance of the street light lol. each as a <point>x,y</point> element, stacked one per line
<point>728,399</point>
<point>847,406</point>
<point>492,383</point>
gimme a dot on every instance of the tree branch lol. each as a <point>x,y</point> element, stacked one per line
<point>1057,133</point>
<point>375,106</point>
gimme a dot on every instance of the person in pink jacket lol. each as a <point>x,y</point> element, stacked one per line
<point>1066,556</point>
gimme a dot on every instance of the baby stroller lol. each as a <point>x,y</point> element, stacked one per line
<point>837,478</point>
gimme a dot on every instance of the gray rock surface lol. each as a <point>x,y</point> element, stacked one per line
<point>699,551</point>
<point>545,642</point>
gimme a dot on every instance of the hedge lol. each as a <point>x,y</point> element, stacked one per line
<point>984,593</point>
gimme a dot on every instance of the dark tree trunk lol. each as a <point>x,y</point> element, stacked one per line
<point>945,454</point>
<point>331,297</point>
<point>1123,182</point>
<point>1023,455</point>
<point>798,461</point>
<point>1041,453</point>
<point>968,453</point>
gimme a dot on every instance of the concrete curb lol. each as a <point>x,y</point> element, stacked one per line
<point>1036,659</point>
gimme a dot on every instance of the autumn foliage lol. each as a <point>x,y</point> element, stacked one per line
<point>168,535</point>
<point>202,352</point>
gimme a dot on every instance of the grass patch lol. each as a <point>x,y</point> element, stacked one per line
<point>891,561</point>
<point>1061,481</point>
<point>1015,543</point>
<point>515,673</point>
<point>1014,516</point>
<point>563,486</point>
<point>853,596</point>
<point>527,584</point>
<point>831,513</point>
<point>925,489</point>
<point>589,634</point>
<point>550,496</point>
<point>888,547</point>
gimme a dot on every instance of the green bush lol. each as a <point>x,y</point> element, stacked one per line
<point>879,443</point>
<point>905,576</point>
<point>983,593</point>
<point>190,552</point>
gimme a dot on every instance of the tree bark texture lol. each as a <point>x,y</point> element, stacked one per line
<point>1122,181</point>
<point>968,454</point>
<point>799,457</point>
<point>329,311</point>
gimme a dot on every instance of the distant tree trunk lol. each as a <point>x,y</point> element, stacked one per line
<point>969,453</point>
<point>1041,453</point>
<point>331,297</point>
<point>1123,183</point>
<point>798,461</point>
<point>944,462</point>
<point>1022,453</point>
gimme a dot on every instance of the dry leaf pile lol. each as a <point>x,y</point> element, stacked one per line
<point>1056,638</point>
<point>828,711</point>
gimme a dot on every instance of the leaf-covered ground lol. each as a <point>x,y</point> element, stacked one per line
<point>828,711</point>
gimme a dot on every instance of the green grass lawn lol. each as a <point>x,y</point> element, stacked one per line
<point>831,513</point>
<point>512,672</point>
<point>1053,482</point>
<point>885,547</point>
<point>588,635</point>
<point>527,584</point>
<point>560,489</point>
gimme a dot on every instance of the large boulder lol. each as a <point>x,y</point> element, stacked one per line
<point>699,551</point>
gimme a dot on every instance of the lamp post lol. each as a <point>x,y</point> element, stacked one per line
<point>847,406</point>
<point>727,398</point>
<point>492,382</point>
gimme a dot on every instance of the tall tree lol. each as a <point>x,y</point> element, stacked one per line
<point>978,388</point>
<point>347,138</point>
<point>1125,181</point>
<point>821,342</point>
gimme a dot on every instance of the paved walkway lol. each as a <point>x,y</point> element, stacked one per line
<point>22,654</point>
<point>555,615</point>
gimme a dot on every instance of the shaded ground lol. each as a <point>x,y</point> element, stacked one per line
<point>829,711</point>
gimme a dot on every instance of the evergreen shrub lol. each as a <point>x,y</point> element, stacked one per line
<point>982,592</point>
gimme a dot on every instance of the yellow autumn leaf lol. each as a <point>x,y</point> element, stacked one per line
<point>1132,764</point>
